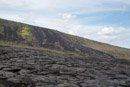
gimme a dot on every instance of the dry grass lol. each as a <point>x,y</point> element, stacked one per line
<point>117,52</point>
<point>48,51</point>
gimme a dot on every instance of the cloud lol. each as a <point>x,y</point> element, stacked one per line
<point>82,6</point>
<point>67,16</point>
<point>108,31</point>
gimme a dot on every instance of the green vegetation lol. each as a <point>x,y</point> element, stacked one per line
<point>25,32</point>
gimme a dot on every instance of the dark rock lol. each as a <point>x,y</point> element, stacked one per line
<point>31,68</point>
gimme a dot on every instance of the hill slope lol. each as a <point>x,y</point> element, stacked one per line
<point>19,33</point>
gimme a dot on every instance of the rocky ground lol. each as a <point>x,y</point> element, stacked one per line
<point>31,68</point>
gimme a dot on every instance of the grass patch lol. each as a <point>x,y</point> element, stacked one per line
<point>25,32</point>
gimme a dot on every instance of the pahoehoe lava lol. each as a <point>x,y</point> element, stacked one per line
<point>32,68</point>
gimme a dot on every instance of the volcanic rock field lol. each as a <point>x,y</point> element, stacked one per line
<point>23,67</point>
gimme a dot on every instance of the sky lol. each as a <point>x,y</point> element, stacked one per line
<point>107,21</point>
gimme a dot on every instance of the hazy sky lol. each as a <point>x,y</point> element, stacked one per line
<point>102,20</point>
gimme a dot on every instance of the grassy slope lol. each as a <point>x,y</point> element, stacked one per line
<point>114,50</point>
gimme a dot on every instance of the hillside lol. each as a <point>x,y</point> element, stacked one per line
<point>19,33</point>
<point>117,52</point>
